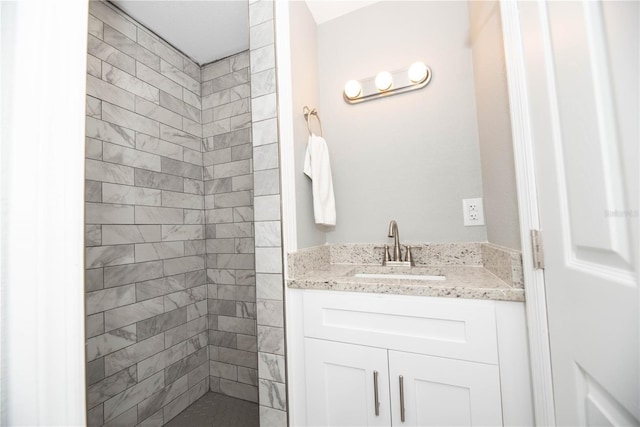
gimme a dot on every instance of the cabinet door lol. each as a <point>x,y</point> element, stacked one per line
<point>340,384</point>
<point>444,392</point>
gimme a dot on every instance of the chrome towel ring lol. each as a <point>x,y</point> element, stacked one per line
<point>307,115</point>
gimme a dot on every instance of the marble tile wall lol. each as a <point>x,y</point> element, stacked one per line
<point>268,242</point>
<point>229,186</point>
<point>146,293</point>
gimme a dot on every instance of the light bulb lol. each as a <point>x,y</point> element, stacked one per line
<point>352,89</point>
<point>418,72</point>
<point>384,81</point>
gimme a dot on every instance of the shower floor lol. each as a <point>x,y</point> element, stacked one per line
<point>218,410</point>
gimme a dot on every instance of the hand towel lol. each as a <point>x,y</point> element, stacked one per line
<point>318,168</point>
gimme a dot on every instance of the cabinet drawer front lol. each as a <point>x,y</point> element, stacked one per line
<point>459,329</point>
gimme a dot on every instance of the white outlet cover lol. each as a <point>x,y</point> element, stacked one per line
<point>469,207</point>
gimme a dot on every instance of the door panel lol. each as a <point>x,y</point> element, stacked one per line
<point>340,384</point>
<point>444,392</point>
<point>582,59</point>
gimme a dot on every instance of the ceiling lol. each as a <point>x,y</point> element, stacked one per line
<point>208,30</point>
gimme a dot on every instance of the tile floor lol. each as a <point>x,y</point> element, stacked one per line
<point>218,410</point>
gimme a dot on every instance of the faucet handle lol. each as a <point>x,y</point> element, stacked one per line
<point>408,256</point>
<point>387,256</point>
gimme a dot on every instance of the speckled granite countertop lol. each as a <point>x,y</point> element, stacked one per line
<point>462,281</point>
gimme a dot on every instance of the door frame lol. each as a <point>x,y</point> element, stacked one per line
<point>522,136</point>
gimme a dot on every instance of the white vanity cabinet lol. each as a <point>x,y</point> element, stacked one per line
<point>358,347</point>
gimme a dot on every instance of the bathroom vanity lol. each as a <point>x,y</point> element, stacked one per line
<point>403,351</point>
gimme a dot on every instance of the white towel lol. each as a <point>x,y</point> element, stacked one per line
<point>318,168</point>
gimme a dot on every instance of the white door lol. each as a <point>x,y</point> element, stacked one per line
<point>437,391</point>
<point>341,384</point>
<point>582,75</point>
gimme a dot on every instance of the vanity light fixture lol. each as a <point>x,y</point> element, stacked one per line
<point>385,83</point>
<point>352,89</point>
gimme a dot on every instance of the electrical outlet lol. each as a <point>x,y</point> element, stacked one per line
<point>473,212</point>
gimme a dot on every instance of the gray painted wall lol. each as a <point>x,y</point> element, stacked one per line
<point>304,73</point>
<point>411,157</point>
<point>494,125</point>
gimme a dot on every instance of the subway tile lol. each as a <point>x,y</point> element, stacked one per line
<point>232,109</point>
<point>96,27</point>
<point>111,341</point>
<point>268,233</point>
<point>224,308</point>
<point>121,117</point>
<point>234,230</point>
<point>159,181</point>
<point>264,107</point>
<point>140,271</point>
<point>217,186</point>
<point>132,396</point>
<point>179,137</point>
<point>156,79</point>
<point>110,386</point>
<point>152,404</point>
<point>195,247</point>
<point>110,93</point>
<point>158,251</point>
<point>245,246</point>
<point>174,407</point>
<point>109,132</point>
<point>93,279</point>
<point>93,191</point>
<point>176,167</point>
<point>152,43</point>
<point>269,286</point>
<point>266,182</point>
<point>266,208</point>
<point>230,139</point>
<point>157,146</point>
<point>93,149</point>
<point>194,186</point>
<point>246,278</point>
<point>239,61</point>
<point>237,293</point>
<point>192,127</point>
<point>133,313</point>
<point>226,170</point>
<point>196,377</point>
<point>183,265</point>
<point>173,199</point>
<point>263,58</point>
<point>243,214</point>
<point>270,313</point>
<point>260,12</point>
<point>130,157</point>
<point>265,132</point>
<point>216,69</point>
<point>186,297</point>
<point>265,157</point>
<point>157,324</point>
<point>155,420</point>
<point>182,232</point>
<point>224,370</point>
<point>242,152</point>
<point>263,83</point>
<point>128,195</point>
<point>216,99</point>
<point>110,55</point>
<point>240,91</point>
<point>261,34</point>
<point>156,215</point>
<point>109,16</point>
<point>229,200</point>
<point>239,390</point>
<point>159,287</point>
<point>133,354</point>
<point>158,113</point>
<point>122,234</point>
<point>247,343</point>
<point>220,277</point>
<point>92,235</point>
<point>94,66</point>
<point>131,48</point>
<point>95,416</point>
<point>216,157</point>
<point>241,121</point>
<point>95,371</point>
<point>271,367</point>
<point>101,256</point>
<point>180,107</point>
<point>192,69</point>
<point>192,216</point>
<point>248,376</point>
<point>215,128</point>
<point>93,107</point>
<point>271,340</point>
<point>237,325</point>
<point>108,172</point>
<point>179,77</point>
<point>273,394</point>
<point>109,298</point>
<point>130,83</point>
<point>236,261</point>
<point>220,246</point>
<point>230,80</point>
<point>184,366</point>
<point>127,418</point>
<point>268,260</point>
<point>94,325</point>
<point>158,362</point>
<point>208,172</point>
<point>196,310</point>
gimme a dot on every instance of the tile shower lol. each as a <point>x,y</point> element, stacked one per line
<point>170,249</point>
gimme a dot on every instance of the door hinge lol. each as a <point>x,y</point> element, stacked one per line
<point>538,249</point>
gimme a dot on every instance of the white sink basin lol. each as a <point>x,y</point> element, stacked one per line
<point>398,276</point>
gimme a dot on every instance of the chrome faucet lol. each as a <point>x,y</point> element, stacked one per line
<point>393,232</point>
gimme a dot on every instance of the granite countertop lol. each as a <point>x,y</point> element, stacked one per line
<point>471,282</point>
